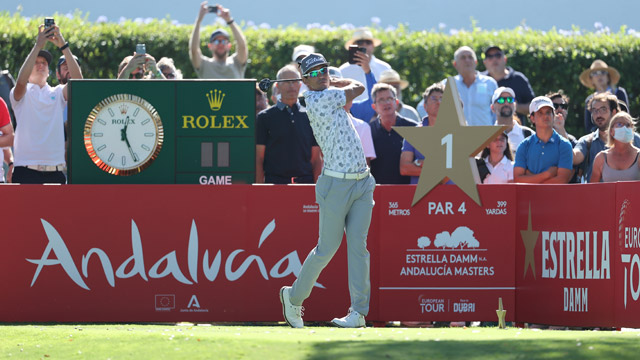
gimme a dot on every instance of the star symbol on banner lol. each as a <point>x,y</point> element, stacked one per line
<point>529,238</point>
<point>449,147</point>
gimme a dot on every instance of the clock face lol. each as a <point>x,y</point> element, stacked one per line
<point>123,134</point>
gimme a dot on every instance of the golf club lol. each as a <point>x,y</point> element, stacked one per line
<point>266,83</point>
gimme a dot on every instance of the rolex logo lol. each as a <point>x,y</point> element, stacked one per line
<point>123,109</point>
<point>215,98</point>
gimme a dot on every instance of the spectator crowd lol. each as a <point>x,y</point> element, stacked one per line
<point>534,148</point>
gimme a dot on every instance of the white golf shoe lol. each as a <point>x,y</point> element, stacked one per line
<point>292,313</point>
<point>353,320</point>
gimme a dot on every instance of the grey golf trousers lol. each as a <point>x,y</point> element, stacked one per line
<point>345,206</point>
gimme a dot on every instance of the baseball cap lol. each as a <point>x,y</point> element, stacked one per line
<point>47,55</point>
<point>500,90</point>
<point>335,72</point>
<point>493,47</point>
<point>219,32</point>
<point>62,60</point>
<point>312,60</point>
<point>301,50</point>
<point>539,102</point>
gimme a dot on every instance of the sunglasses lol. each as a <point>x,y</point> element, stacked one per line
<point>599,72</point>
<point>502,100</point>
<point>220,41</point>
<point>137,75</point>
<point>563,106</point>
<point>496,55</point>
<point>363,42</point>
<point>316,73</point>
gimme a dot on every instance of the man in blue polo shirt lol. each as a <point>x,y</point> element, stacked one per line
<point>544,157</point>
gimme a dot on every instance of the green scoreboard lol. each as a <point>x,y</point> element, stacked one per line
<point>161,132</point>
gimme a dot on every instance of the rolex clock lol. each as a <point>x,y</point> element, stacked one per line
<point>123,134</point>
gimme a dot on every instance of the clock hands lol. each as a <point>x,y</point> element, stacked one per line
<point>123,135</point>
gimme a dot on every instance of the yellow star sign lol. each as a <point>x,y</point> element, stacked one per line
<point>529,238</point>
<point>449,147</point>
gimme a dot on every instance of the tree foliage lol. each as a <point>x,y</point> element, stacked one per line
<point>551,60</point>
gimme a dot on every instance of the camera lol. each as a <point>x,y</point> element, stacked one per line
<point>213,8</point>
<point>48,22</point>
<point>352,53</point>
<point>141,49</point>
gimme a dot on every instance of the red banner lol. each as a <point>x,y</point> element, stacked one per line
<point>626,254</point>
<point>446,258</point>
<point>565,254</point>
<point>161,253</point>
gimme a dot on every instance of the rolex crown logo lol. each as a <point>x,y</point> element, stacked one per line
<point>123,109</point>
<point>215,98</point>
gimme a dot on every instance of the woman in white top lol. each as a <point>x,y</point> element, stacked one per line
<point>496,162</point>
<point>620,161</point>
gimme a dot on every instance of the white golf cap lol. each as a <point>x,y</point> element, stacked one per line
<point>302,50</point>
<point>499,91</point>
<point>539,102</point>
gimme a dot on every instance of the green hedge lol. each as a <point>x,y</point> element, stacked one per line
<point>550,59</point>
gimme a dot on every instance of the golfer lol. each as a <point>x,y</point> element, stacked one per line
<point>344,192</point>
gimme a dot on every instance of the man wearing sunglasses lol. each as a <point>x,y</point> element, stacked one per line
<point>367,64</point>
<point>344,193</point>
<point>495,61</point>
<point>561,107</point>
<point>503,104</point>
<point>221,65</point>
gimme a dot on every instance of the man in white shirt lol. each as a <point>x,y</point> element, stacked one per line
<point>474,88</point>
<point>39,137</point>
<point>364,39</point>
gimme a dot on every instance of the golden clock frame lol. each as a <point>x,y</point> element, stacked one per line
<point>88,144</point>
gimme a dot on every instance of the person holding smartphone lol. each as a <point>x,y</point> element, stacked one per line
<point>365,62</point>
<point>220,65</point>
<point>39,147</point>
<point>140,65</point>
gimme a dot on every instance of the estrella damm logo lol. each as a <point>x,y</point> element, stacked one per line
<point>215,98</point>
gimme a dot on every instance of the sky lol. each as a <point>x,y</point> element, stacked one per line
<point>444,15</point>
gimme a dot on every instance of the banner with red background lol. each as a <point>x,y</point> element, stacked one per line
<point>446,258</point>
<point>196,253</point>
<point>565,259</point>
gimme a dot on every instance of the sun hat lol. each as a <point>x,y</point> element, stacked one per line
<point>585,77</point>
<point>362,34</point>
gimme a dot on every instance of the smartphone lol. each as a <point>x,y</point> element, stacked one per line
<point>141,49</point>
<point>48,22</point>
<point>213,8</point>
<point>352,53</point>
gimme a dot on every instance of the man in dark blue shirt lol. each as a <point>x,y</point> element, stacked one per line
<point>496,63</point>
<point>286,151</point>
<point>387,143</point>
